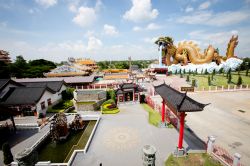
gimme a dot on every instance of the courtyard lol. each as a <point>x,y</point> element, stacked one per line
<point>119,139</point>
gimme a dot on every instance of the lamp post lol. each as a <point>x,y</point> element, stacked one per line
<point>247,68</point>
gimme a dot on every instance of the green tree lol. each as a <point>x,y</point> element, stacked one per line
<point>221,70</point>
<point>184,71</point>
<point>206,73</point>
<point>229,80</point>
<point>209,80</point>
<point>189,72</point>
<point>187,78</point>
<point>193,83</point>
<point>202,72</point>
<point>4,70</point>
<point>239,82</point>
<point>247,71</point>
<point>7,155</point>
<point>213,72</point>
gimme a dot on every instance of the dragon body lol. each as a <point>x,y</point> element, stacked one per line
<point>189,52</point>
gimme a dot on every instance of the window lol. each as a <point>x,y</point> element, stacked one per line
<point>49,101</point>
<point>42,105</point>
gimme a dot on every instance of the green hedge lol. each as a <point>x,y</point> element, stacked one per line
<point>110,101</point>
<point>106,110</point>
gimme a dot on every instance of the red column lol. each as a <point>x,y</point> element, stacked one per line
<point>181,131</point>
<point>163,111</point>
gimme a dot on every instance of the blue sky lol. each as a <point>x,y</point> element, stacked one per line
<point>105,29</point>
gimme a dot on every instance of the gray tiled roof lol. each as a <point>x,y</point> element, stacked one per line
<point>25,95</point>
<point>53,85</point>
<point>3,82</point>
<point>68,80</point>
<point>175,98</point>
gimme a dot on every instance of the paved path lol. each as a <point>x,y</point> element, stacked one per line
<point>223,120</point>
<point>119,139</point>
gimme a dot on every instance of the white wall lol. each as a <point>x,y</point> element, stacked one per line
<point>54,98</point>
<point>44,98</point>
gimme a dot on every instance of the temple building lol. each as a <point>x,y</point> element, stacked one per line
<point>4,56</point>
<point>128,92</point>
<point>86,62</point>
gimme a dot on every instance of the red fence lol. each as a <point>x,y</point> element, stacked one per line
<point>169,116</point>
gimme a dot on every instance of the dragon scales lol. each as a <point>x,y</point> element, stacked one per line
<point>190,52</point>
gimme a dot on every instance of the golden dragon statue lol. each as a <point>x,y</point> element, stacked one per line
<point>189,52</point>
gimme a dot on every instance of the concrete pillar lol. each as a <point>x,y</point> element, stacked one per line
<point>240,87</point>
<point>247,86</point>
<point>236,161</point>
<point>209,88</point>
<point>210,144</point>
<point>216,88</point>
<point>228,87</point>
<point>234,87</point>
<point>222,88</point>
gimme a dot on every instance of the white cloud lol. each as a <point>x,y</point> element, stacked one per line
<point>149,27</point>
<point>136,28</point>
<point>141,10</point>
<point>215,19</point>
<point>189,9</point>
<point>204,5</point>
<point>85,16</point>
<point>94,44</point>
<point>153,26</point>
<point>110,30</point>
<point>46,3</point>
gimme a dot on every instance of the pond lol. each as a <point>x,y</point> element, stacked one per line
<point>60,152</point>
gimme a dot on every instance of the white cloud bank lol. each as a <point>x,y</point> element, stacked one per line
<point>110,30</point>
<point>215,19</point>
<point>141,10</point>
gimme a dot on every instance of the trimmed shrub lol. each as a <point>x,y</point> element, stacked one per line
<point>193,83</point>
<point>229,78</point>
<point>7,155</point>
<point>187,78</point>
<point>209,80</point>
<point>239,82</point>
<point>110,101</point>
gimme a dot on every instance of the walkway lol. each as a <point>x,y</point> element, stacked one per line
<point>119,139</point>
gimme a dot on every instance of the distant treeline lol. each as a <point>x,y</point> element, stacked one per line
<point>22,69</point>
<point>123,64</point>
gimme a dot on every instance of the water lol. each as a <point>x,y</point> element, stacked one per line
<point>57,152</point>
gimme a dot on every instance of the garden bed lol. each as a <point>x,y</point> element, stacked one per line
<point>61,106</point>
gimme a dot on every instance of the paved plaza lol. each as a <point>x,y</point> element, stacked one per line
<point>223,120</point>
<point>119,139</point>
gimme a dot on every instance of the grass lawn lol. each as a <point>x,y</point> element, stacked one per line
<point>219,80</point>
<point>192,159</point>
<point>61,106</point>
<point>154,117</point>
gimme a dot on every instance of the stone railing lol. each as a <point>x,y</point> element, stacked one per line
<point>223,88</point>
<point>221,154</point>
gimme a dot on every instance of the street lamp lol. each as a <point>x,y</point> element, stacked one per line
<point>247,68</point>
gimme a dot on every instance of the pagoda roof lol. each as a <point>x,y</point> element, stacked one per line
<point>179,101</point>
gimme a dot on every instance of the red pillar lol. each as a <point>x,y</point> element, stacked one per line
<point>163,111</point>
<point>181,131</point>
